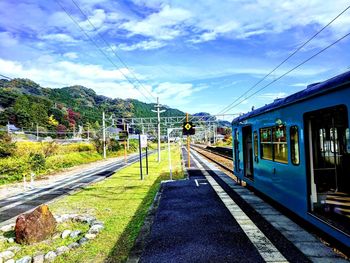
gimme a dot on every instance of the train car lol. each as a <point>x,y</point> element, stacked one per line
<point>296,151</point>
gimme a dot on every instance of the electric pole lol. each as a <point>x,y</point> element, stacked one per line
<point>104,134</point>
<point>158,111</point>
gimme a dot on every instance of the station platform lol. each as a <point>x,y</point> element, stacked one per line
<point>210,218</point>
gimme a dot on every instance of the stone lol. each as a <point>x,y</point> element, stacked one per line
<point>75,233</point>
<point>95,229</point>
<point>10,261</point>
<point>83,241</point>
<point>11,240</point>
<point>73,245</point>
<point>35,226</point>
<point>61,250</point>
<point>14,249</point>
<point>26,259</point>
<point>7,255</point>
<point>96,222</point>
<point>7,228</point>
<point>50,256</point>
<point>38,258</point>
<point>56,236</point>
<point>66,233</point>
<point>90,236</point>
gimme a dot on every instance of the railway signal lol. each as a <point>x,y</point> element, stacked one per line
<point>188,128</point>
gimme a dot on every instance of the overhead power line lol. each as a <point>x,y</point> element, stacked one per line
<point>289,71</point>
<point>227,108</point>
<point>113,50</point>
<point>101,51</point>
<point>6,77</point>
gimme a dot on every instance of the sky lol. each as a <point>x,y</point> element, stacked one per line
<point>197,56</point>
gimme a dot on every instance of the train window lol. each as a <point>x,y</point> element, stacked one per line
<point>294,145</point>
<point>280,147</point>
<point>255,144</point>
<point>266,146</point>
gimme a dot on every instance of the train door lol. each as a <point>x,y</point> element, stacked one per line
<point>248,152</point>
<point>327,134</point>
<point>236,150</point>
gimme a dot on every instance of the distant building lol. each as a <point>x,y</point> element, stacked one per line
<point>12,128</point>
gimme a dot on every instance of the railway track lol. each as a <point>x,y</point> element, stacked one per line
<point>221,160</point>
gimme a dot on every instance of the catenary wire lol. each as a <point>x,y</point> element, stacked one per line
<point>101,51</point>
<point>289,71</point>
<point>113,50</point>
<point>227,108</point>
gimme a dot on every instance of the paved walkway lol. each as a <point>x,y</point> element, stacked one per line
<point>209,218</point>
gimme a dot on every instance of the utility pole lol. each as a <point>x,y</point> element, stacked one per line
<point>37,132</point>
<point>104,134</point>
<point>158,111</point>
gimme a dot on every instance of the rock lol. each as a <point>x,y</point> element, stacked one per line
<point>83,241</point>
<point>38,258</point>
<point>73,245</point>
<point>66,233</point>
<point>61,250</point>
<point>57,235</point>
<point>96,222</point>
<point>50,256</point>
<point>35,226</point>
<point>90,236</point>
<point>95,229</point>
<point>14,249</point>
<point>11,240</point>
<point>10,261</point>
<point>75,233</point>
<point>26,259</point>
<point>7,255</point>
<point>7,228</point>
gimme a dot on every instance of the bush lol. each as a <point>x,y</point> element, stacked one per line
<point>36,161</point>
<point>113,145</point>
<point>50,148</point>
<point>7,148</point>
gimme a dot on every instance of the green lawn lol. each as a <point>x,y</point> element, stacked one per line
<point>121,202</point>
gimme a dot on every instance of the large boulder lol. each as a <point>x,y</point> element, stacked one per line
<point>35,226</point>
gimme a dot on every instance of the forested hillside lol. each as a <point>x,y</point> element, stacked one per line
<point>26,104</point>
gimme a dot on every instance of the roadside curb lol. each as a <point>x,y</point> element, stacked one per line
<point>145,230</point>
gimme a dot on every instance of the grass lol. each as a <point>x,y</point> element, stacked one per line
<point>12,169</point>
<point>121,202</point>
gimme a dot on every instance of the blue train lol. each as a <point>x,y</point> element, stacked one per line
<point>296,151</point>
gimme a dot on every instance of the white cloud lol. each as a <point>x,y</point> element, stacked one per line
<point>7,39</point>
<point>97,20</point>
<point>52,74</point>
<point>143,45</point>
<point>59,37</point>
<point>71,55</point>
<point>164,25</point>
<point>177,93</point>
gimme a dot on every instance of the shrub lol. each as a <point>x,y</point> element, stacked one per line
<point>36,161</point>
<point>113,145</point>
<point>7,148</point>
<point>49,148</point>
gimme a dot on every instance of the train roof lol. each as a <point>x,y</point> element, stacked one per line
<point>312,90</point>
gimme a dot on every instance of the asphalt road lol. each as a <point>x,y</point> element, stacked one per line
<point>15,205</point>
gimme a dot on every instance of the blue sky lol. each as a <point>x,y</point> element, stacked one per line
<point>195,55</point>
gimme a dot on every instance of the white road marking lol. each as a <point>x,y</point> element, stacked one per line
<point>196,183</point>
<point>266,249</point>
